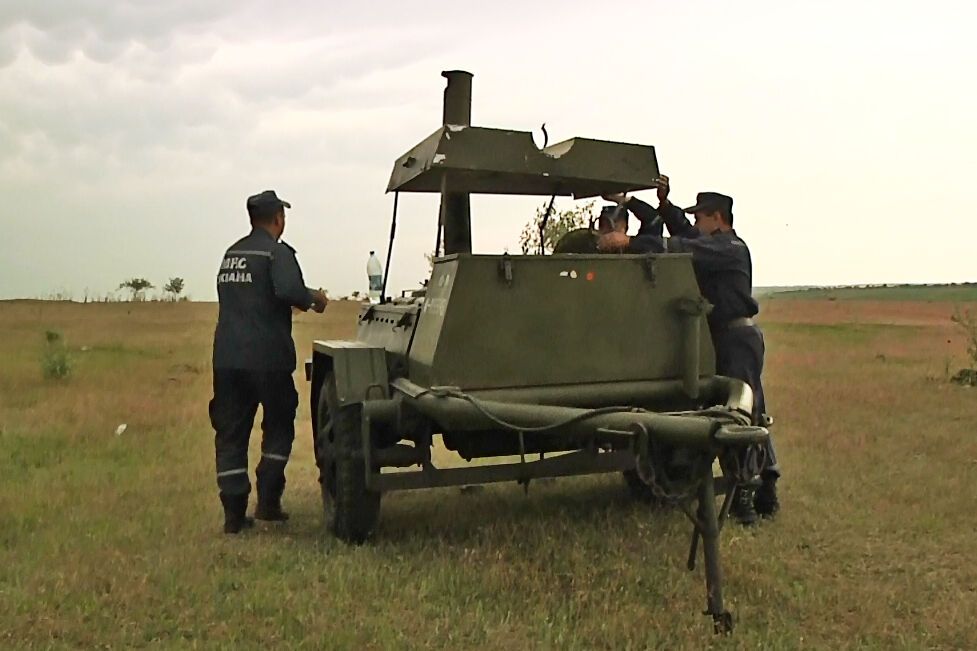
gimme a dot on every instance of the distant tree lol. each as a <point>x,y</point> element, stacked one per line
<point>136,286</point>
<point>174,287</point>
<point>559,224</point>
<point>355,295</point>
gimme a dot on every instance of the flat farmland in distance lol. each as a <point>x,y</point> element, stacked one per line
<point>961,293</point>
<point>113,540</point>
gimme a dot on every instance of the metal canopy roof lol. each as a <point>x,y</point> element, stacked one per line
<point>498,161</point>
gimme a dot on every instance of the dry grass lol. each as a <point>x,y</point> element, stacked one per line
<point>827,312</point>
<point>111,541</point>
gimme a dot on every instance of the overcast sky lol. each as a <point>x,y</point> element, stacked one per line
<point>131,132</point>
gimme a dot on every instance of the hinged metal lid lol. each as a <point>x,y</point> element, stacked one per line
<point>498,161</point>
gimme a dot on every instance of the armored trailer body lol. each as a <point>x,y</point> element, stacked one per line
<point>522,357</point>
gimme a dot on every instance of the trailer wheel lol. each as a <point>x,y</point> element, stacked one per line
<point>350,510</point>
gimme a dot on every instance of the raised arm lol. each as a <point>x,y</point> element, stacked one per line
<point>651,221</point>
<point>286,278</point>
<point>675,220</point>
<point>710,253</point>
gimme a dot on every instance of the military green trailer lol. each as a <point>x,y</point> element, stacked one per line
<point>514,358</point>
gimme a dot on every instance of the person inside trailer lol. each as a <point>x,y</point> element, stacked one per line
<point>612,218</point>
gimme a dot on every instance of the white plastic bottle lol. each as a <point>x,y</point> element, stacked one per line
<point>374,271</point>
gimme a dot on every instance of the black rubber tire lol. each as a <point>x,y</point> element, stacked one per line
<point>350,511</point>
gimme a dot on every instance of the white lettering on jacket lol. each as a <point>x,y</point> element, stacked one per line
<point>234,270</point>
<point>234,277</point>
<point>235,263</point>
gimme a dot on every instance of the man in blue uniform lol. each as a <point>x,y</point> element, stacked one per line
<point>615,218</point>
<point>258,284</point>
<point>724,271</point>
<point>611,218</point>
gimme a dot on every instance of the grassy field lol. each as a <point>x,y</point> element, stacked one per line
<point>963,292</point>
<point>111,541</point>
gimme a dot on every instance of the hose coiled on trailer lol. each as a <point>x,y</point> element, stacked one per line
<point>441,392</point>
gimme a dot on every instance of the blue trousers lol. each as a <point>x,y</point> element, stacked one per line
<point>237,394</point>
<point>739,355</point>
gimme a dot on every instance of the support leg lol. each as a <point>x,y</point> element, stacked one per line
<point>723,514</point>
<point>709,530</point>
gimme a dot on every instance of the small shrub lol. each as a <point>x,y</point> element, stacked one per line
<point>967,322</point>
<point>965,377</point>
<point>55,363</point>
<point>559,223</point>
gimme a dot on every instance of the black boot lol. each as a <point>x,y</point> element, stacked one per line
<point>766,502</point>
<point>270,510</point>
<point>270,489</point>
<point>742,508</point>
<point>235,510</point>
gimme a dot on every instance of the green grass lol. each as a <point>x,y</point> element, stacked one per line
<point>957,293</point>
<point>113,541</point>
<point>842,334</point>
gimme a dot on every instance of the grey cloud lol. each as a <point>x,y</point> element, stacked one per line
<point>102,30</point>
<point>111,108</point>
<point>60,44</point>
<point>119,20</point>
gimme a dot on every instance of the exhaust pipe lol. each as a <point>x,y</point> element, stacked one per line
<point>455,218</point>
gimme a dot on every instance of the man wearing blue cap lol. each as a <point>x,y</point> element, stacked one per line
<point>258,284</point>
<point>724,271</point>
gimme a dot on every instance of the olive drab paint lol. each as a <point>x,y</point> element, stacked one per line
<point>601,359</point>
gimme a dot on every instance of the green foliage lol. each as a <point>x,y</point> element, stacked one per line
<point>174,287</point>
<point>136,286</point>
<point>55,362</point>
<point>559,224</point>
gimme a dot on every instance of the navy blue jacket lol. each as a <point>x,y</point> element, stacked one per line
<point>651,220</point>
<point>258,284</point>
<point>721,261</point>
